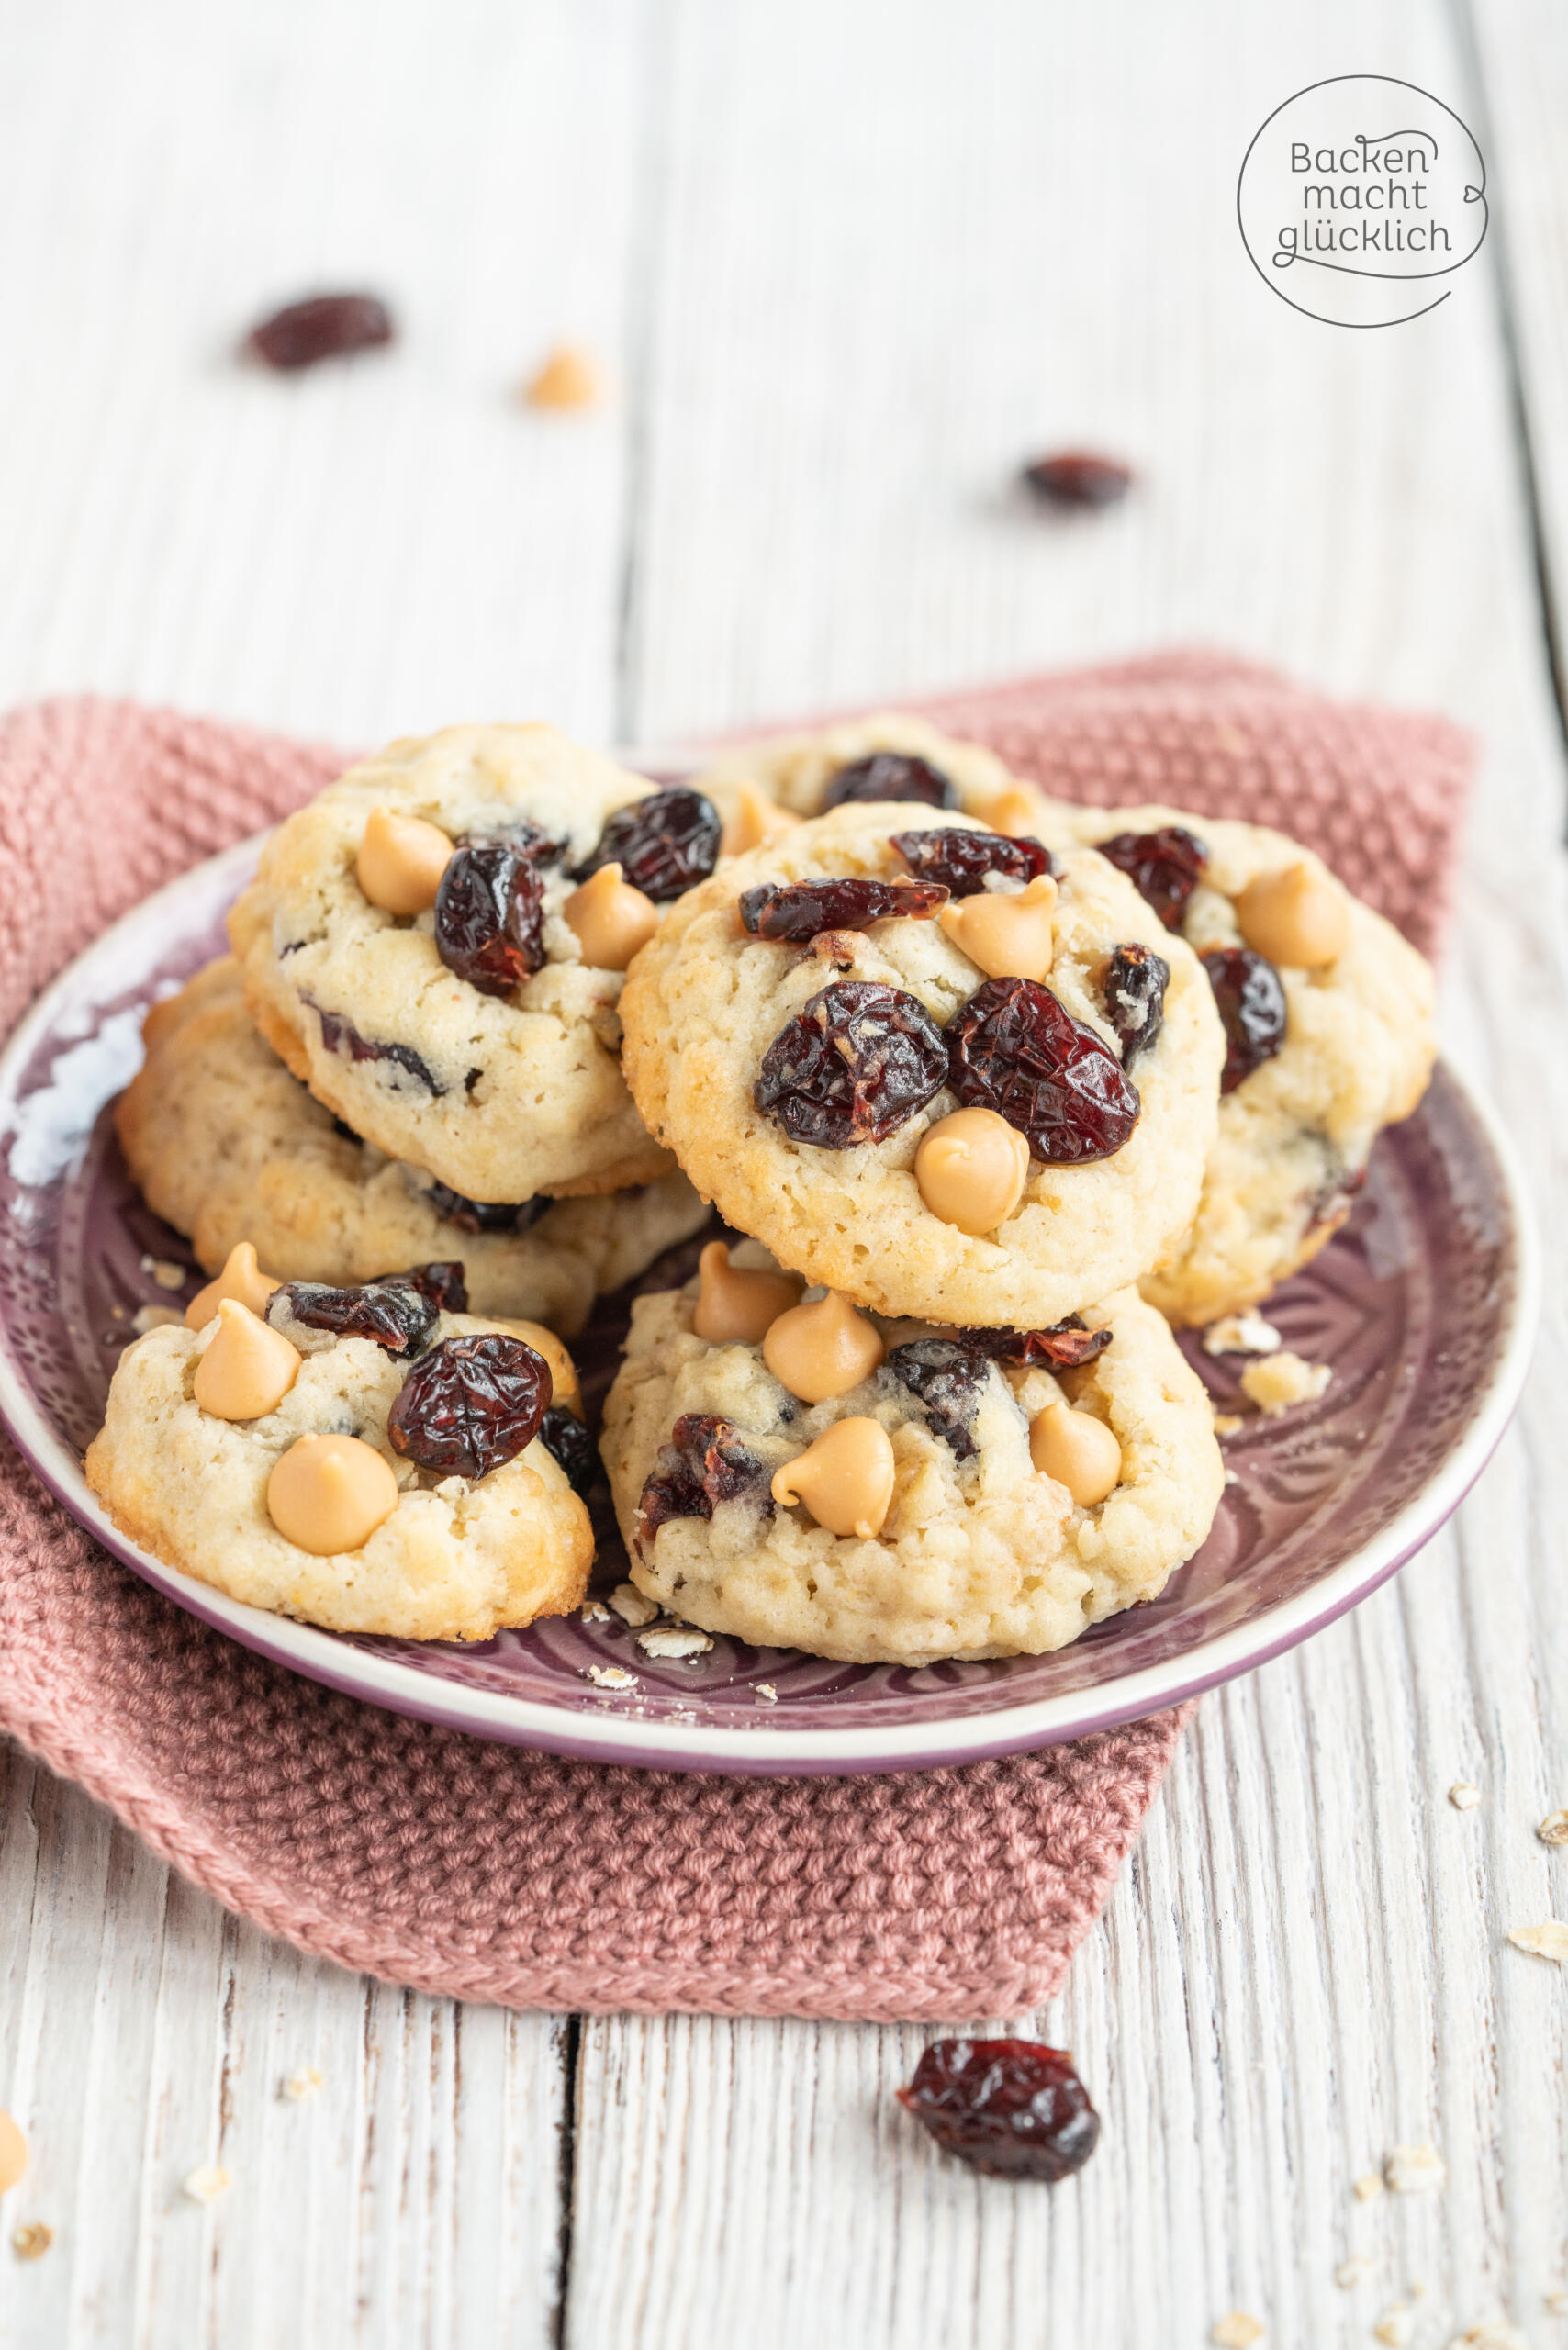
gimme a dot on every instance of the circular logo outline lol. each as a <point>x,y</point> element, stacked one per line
<point>1363,326</point>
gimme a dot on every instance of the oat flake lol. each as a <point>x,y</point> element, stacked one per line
<point>678,1642</point>
<point>207,2183</point>
<point>32,2242</point>
<point>301,2084</point>
<point>1241,1334</point>
<point>1547,1940</point>
<point>1463,1797</point>
<point>1368,2188</point>
<point>1238,2332</point>
<point>627,1602</point>
<point>609,1676</point>
<point>766,1694</point>
<point>1554,1828</point>
<point>1351,2272</point>
<point>1415,2170</point>
<point>1395,2326</point>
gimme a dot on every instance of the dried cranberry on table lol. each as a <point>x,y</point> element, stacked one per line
<point>484,1216</point>
<point>705,1462</point>
<point>489,916</point>
<point>398,1312</point>
<point>891,774</point>
<point>962,861</point>
<point>853,1067</point>
<point>1077,477</point>
<point>338,1034</point>
<point>324,326</point>
<point>1134,985</point>
<point>948,1378</point>
<point>1063,1347</point>
<point>1014,2109</point>
<point>1015,1050</point>
<point>664,845</point>
<point>1251,1002</point>
<point>470,1404</point>
<point>1164,866</point>
<point>564,1435</point>
<point>801,909</point>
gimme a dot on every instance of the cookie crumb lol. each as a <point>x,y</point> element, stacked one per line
<point>155,1317</point>
<point>1368,2187</point>
<point>1415,2170</point>
<point>1351,2272</point>
<point>1554,1828</point>
<point>627,1602</point>
<point>1276,1381</point>
<point>1227,1423</point>
<point>1237,2331</point>
<point>568,378</point>
<point>1556,2304</point>
<point>593,1611</point>
<point>207,2183</point>
<point>1242,1333</point>
<point>677,1642</point>
<point>609,1676</point>
<point>1492,2334</point>
<point>1395,2326</point>
<point>1231,1478</point>
<point>766,1693</point>
<point>1463,1797</point>
<point>167,1275</point>
<point>1547,1940</point>
<point>32,2242</point>
<point>301,2084</point>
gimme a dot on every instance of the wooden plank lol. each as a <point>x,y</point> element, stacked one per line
<point>883,282</point>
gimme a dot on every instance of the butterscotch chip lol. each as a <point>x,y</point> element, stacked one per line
<point>568,378</point>
<point>738,1302</point>
<point>1079,1452</point>
<point>329,1494</point>
<point>754,819</point>
<point>611,920</point>
<point>1008,936</point>
<point>402,860</point>
<point>822,1349</point>
<point>241,1280</point>
<point>845,1479</point>
<point>247,1369</point>
<point>1298,916</point>
<point>971,1168</point>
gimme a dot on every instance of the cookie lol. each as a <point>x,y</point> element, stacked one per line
<point>408,948</point>
<point>226,1146</point>
<point>977,1552</point>
<point>889,756</point>
<point>1324,1052</point>
<point>451,1557</point>
<point>798,1079</point>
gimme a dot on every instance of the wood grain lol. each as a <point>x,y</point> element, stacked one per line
<point>850,266</point>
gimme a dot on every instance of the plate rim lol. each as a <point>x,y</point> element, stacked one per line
<point>607,1733</point>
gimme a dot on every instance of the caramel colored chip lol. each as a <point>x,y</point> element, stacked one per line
<point>247,1367</point>
<point>242,1279</point>
<point>13,2153</point>
<point>757,819</point>
<point>610,918</point>
<point>1008,933</point>
<point>737,1303</point>
<point>1079,1452</point>
<point>822,1349</point>
<point>329,1494</point>
<point>562,1370</point>
<point>972,1167</point>
<point>567,379</point>
<point>845,1479</point>
<point>1298,917</point>
<point>1012,811</point>
<point>402,860</point>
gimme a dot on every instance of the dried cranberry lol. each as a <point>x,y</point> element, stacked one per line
<point>1164,867</point>
<point>800,910</point>
<point>1252,1005</point>
<point>853,1067</point>
<point>324,326</point>
<point>1063,1347</point>
<point>663,845</point>
<point>527,840</point>
<point>891,774</point>
<point>703,1463</point>
<point>470,1404</point>
<point>397,1313</point>
<point>962,861</point>
<point>948,1378</point>
<point>564,1435</point>
<point>484,1216</point>
<point>1077,477</point>
<point>1013,2108</point>
<point>489,916</point>
<point>338,1034</point>
<point>1135,982</point>
<point>1015,1050</point>
<point>444,1283</point>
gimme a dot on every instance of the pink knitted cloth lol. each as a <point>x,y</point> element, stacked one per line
<point>488,1873</point>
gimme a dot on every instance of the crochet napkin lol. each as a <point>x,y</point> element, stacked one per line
<point>485,1872</point>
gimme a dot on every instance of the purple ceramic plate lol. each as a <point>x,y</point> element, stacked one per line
<point>1425,1305</point>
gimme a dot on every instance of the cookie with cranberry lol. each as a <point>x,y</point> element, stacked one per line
<point>227,1146</point>
<point>759,787</point>
<point>1329,1038</point>
<point>804,1027</point>
<point>422,1452</point>
<point>946,1503</point>
<point>421,946</point>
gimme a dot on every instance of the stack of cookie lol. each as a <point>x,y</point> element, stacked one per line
<point>989,1091</point>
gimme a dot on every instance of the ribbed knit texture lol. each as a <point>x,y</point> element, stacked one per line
<point>488,1873</point>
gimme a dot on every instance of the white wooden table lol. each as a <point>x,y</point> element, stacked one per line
<point>848,262</point>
